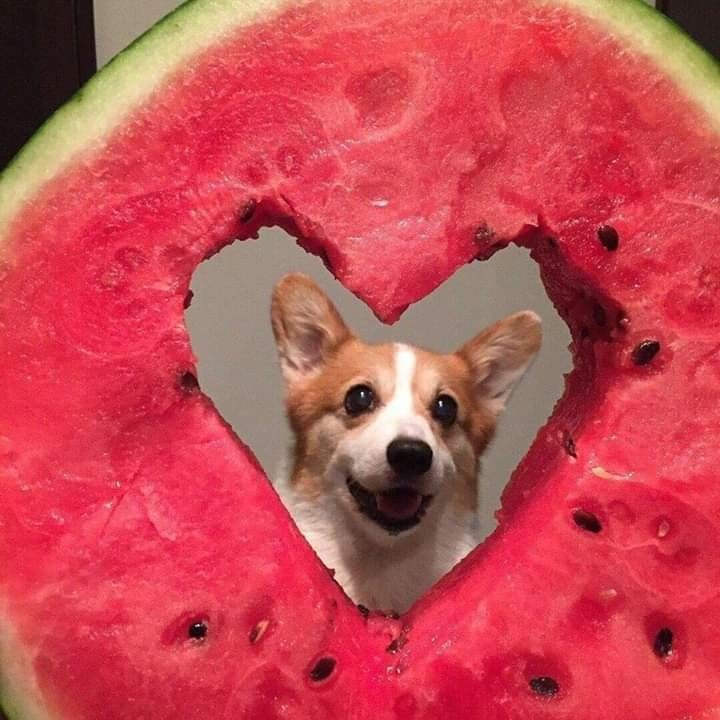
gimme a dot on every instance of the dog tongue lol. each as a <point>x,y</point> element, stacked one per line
<point>399,504</point>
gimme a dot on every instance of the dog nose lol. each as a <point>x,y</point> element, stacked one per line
<point>409,457</point>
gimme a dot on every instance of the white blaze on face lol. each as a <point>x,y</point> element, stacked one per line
<point>365,450</point>
<point>400,413</point>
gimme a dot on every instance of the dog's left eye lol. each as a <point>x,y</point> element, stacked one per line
<point>444,409</point>
<point>359,399</point>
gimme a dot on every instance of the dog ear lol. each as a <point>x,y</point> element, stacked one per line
<point>500,355</point>
<point>306,325</point>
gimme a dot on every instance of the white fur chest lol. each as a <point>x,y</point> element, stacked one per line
<point>388,577</point>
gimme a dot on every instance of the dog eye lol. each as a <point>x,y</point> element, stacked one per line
<point>359,399</point>
<point>444,409</point>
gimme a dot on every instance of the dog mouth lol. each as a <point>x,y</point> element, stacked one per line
<point>394,510</point>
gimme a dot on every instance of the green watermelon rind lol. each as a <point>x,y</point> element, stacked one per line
<point>16,677</point>
<point>130,78</point>
<point>78,128</point>
<point>123,85</point>
<point>693,69</point>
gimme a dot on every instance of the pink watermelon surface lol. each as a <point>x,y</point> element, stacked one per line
<point>148,570</point>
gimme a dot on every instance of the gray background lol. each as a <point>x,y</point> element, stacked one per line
<point>231,335</point>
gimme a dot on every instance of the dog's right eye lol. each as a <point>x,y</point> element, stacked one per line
<point>359,399</point>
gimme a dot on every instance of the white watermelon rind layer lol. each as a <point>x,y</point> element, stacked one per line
<point>80,127</point>
<point>645,30</point>
<point>19,694</point>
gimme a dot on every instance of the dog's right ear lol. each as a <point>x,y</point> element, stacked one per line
<point>306,325</point>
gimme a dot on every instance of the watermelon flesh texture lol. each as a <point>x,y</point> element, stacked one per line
<point>148,568</point>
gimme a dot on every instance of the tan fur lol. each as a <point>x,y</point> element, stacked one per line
<point>451,374</point>
<point>321,360</point>
<point>506,346</point>
<point>354,362</point>
<point>351,363</point>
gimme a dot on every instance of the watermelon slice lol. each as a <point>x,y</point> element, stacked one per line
<point>147,568</point>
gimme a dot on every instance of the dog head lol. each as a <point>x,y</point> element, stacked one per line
<point>392,433</point>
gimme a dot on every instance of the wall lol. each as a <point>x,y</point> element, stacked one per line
<point>231,335</point>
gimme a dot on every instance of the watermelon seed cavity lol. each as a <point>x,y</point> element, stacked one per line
<point>483,233</point>
<point>258,631</point>
<point>544,686</point>
<point>587,521</point>
<point>599,315</point>
<point>322,669</point>
<point>189,382</point>
<point>247,211</point>
<point>645,352</point>
<point>569,446</point>
<point>609,237</point>
<point>663,645</point>
<point>399,642</point>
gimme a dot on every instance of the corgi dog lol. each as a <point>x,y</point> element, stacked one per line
<point>383,478</point>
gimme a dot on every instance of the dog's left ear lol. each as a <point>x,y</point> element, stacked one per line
<point>500,355</point>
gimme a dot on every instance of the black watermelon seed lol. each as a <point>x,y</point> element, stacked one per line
<point>322,669</point>
<point>587,521</point>
<point>663,645</point>
<point>189,381</point>
<point>645,352</point>
<point>188,299</point>
<point>363,610</point>
<point>198,631</point>
<point>247,211</point>
<point>544,686</point>
<point>609,237</point>
<point>569,445</point>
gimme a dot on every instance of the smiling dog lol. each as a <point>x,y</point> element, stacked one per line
<point>388,439</point>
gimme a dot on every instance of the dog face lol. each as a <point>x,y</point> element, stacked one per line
<point>391,433</point>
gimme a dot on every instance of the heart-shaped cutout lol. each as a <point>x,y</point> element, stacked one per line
<point>147,567</point>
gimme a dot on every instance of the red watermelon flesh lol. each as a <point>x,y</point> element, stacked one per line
<point>149,571</point>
